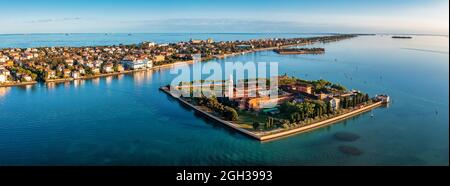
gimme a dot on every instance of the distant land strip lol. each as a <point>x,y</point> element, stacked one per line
<point>425,50</point>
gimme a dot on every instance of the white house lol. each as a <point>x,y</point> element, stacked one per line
<point>51,74</point>
<point>3,78</point>
<point>334,103</point>
<point>75,74</point>
<point>98,63</point>
<point>151,44</point>
<point>108,68</point>
<point>136,63</point>
<point>27,78</point>
<point>82,71</point>
<point>69,62</point>
<point>96,70</point>
<point>3,59</point>
<point>149,64</point>
<point>89,64</point>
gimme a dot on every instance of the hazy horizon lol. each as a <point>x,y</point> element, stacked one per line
<point>307,33</point>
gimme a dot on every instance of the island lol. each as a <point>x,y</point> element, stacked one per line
<point>401,37</point>
<point>24,66</point>
<point>300,51</point>
<point>300,106</point>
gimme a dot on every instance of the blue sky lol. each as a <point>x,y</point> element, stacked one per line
<point>98,16</point>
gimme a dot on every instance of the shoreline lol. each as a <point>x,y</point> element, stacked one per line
<point>321,124</point>
<point>284,133</point>
<point>18,84</point>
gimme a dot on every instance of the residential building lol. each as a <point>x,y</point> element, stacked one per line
<point>133,63</point>
<point>82,71</point>
<point>334,103</point>
<point>66,73</point>
<point>151,44</point>
<point>96,70</point>
<point>120,68</point>
<point>108,67</point>
<point>245,47</point>
<point>383,98</point>
<point>3,78</point>
<point>266,102</point>
<point>97,63</point>
<point>69,62</point>
<point>3,59</point>
<point>196,41</point>
<point>321,96</point>
<point>60,67</point>
<point>51,74</point>
<point>75,74</point>
<point>27,78</point>
<point>89,64</point>
<point>304,88</point>
<point>149,64</point>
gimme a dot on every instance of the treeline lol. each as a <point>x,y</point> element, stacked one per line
<point>227,112</point>
<point>320,85</point>
<point>354,100</point>
<point>21,70</point>
<point>271,123</point>
<point>297,112</point>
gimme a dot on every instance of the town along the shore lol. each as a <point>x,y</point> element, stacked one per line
<point>19,66</point>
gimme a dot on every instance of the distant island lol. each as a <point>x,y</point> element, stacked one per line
<point>300,51</point>
<point>24,66</point>
<point>401,37</point>
<point>301,105</point>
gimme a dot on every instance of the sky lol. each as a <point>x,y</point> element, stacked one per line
<point>225,16</point>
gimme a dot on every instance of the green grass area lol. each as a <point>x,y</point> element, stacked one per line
<point>248,117</point>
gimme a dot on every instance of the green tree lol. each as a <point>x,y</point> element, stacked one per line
<point>366,98</point>
<point>255,125</point>
<point>231,114</point>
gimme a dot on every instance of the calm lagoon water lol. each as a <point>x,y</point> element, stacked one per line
<point>126,120</point>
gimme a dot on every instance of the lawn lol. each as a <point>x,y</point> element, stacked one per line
<point>246,118</point>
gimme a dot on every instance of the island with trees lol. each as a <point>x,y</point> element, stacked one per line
<point>401,37</point>
<point>301,105</point>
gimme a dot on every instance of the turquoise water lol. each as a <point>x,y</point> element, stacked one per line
<point>126,120</point>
